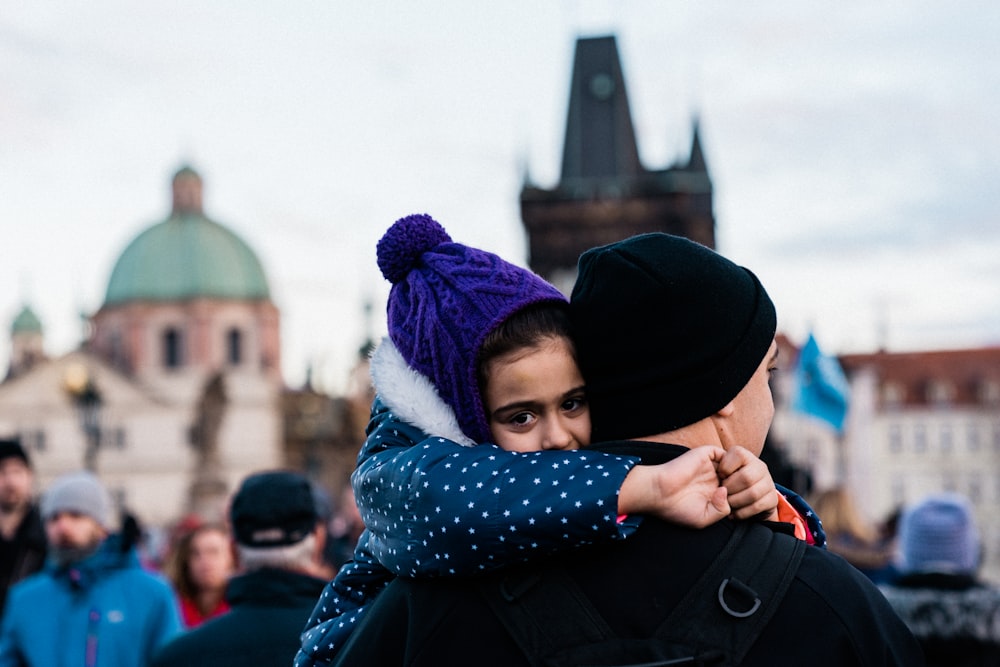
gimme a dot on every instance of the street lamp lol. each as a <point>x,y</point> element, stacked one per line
<point>87,399</point>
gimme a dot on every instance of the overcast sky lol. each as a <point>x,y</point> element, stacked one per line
<point>853,146</point>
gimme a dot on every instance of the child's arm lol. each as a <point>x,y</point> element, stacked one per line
<point>435,507</point>
<point>341,606</point>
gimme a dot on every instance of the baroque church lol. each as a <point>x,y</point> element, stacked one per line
<point>177,392</point>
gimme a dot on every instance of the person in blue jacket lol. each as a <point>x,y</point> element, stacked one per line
<point>480,351</point>
<point>93,605</point>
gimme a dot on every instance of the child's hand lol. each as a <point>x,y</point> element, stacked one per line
<point>685,490</point>
<point>748,481</point>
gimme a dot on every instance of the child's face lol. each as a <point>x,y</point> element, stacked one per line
<point>535,399</point>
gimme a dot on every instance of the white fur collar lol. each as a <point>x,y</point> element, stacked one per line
<point>411,396</point>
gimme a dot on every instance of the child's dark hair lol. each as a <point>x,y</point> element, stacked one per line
<point>525,328</point>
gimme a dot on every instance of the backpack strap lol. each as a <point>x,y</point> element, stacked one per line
<point>732,602</point>
<point>716,622</point>
<point>544,612</point>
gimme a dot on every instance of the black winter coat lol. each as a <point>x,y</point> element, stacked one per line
<point>955,618</point>
<point>831,614</point>
<point>24,554</point>
<point>269,608</point>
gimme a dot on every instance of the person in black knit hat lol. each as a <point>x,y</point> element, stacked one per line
<point>676,343</point>
<point>22,536</point>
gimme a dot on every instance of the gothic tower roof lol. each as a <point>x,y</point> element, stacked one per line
<point>600,140</point>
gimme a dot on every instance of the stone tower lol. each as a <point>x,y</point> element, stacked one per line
<point>604,193</point>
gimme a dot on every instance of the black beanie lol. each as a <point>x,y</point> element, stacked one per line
<point>668,332</point>
<point>12,449</point>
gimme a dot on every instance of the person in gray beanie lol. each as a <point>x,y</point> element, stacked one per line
<point>93,604</point>
<point>79,495</point>
<point>676,344</point>
<point>954,615</point>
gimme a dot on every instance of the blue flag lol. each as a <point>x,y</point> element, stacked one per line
<point>821,389</point>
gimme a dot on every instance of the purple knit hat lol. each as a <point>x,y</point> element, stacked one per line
<point>445,299</point>
<point>939,534</point>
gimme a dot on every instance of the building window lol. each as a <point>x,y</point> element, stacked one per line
<point>974,437</point>
<point>33,441</point>
<point>895,439</point>
<point>117,350</point>
<point>949,483</point>
<point>173,356</point>
<point>119,497</point>
<point>898,491</point>
<point>946,438</point>
<point>919,438</point>
<point>234,347</point>
<point>940,393</point>
<point>893,395</point>
<point>975,490</point>
<point>989,392</point>
<point>118,438</point>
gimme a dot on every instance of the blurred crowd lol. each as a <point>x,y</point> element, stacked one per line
<point>240,592</point>
<point>925,558</point>
<point>80,586</point>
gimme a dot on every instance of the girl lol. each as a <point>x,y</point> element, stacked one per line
<point>199,567</point>
<point>480,351</point>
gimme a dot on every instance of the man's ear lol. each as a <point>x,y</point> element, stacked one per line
<point>727,410</point>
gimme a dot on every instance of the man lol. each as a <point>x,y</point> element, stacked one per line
<point>279,545</point>
<point>22,538</point>
<point>93,604</point>
<point>676,344</point>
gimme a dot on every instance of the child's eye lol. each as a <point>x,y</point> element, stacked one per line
<point>574,404</point>
<point>521,419</point>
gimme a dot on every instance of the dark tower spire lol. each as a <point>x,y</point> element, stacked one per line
<point>600,139</point>
<point>697,160</point>
<point>605,194</point>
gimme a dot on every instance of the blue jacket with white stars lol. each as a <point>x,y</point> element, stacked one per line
<point>434,506</point>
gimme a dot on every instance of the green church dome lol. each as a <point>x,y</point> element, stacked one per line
<point>26,322</point>
<point>186,256</point>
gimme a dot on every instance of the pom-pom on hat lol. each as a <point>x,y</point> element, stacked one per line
<point>445,299</point>
<point>667,333</point>
<point>78,492</point>
<point>939,535</point>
